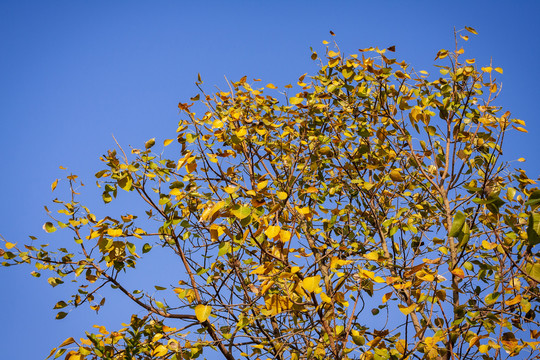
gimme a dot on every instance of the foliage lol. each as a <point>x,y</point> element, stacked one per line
<point>368,216</point>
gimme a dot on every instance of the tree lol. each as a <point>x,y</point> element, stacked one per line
<point>369,216</point>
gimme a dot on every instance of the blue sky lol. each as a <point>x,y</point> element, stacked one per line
<point>75,72</point>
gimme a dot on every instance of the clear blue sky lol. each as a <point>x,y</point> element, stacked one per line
<point>75,72</point>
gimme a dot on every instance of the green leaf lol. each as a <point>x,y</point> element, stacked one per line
<point>49,227</point>
<point>160,305</point>
<point>131,248</point>
<point>146,248</point>
<point>202,312</point>
<point>457,224</point>
<point>533,229</point>
<point>534,198</point>
<point>224,248</point>
<point>107,198</point>
<point>464,235</point>
<point>492,298</point>
<point>60,305</point>
<point>241,212</point>
<point>61,315</point>
<point>533,270</point>
<point>100,174</point>
<point>125,183</point>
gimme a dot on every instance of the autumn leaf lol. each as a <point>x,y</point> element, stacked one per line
<point>202,312</point>
<point>311,284</point>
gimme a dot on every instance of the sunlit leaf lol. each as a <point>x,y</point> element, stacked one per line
<point>53,185</point>
<point>202,312</point>
<point>471,30</point>
<point>282,195</point>
<point>49,227</point>
<point>406,310</point>
<point>295,100</point>
<point>533,270</point>
<point>311,284</point>
<point>67,342</point>
<point>160,350</point>
<point>241,212</point>
<point>272,231</point>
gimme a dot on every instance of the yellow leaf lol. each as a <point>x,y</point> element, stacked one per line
<point>332,53</point>
<point>230,190</point>
<point>386,297</point>
<point>406,310</point>
<point>499,70</point>
<point>284,236</point>
<point>401,346</point>
<point>159,351</point>
<point>183,160</point>
<point>272,231</point>
<point>262,185</point>
<point>114,232</point>
<point>211,210</point>
<point>337,262</point>
<point>311,283</point>
<point>202,312</point>
<point>295,100</point>
<point>311,190</point>
<point>513,301</point>
<point>325,298</point>
<point>217,124</point>
<point>303,211</point>
<point>471,30</point>
<point>488,245</point>
<point>265,286</point>
<point>51,353</point>
<point>53,185</point>
<point>67,342</point>
<point>372,256</point>
<point>521,159</point>
<point>366,185</point>
<point>10,245</point>
<point>366,273</point>
<point>458,272</point>
<point>405,285</point>
<point>422,275</point>
<point>487,69</point>
<point>157,337</point>
<point>167,142</point>
<point>175,192</point>
<point>276,304</point>
<point>358,338</point>
<point>271,86</point>
<point>281,195</point>
<point>395,175</point>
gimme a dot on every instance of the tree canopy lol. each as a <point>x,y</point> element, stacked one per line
<point>369,216</point>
